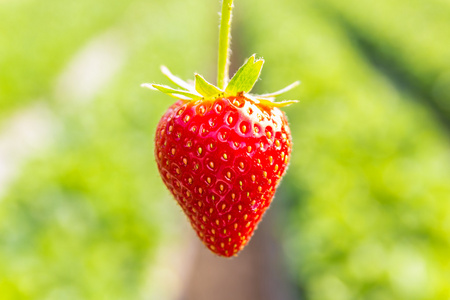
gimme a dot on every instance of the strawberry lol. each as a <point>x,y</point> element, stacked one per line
<point>222,155</point>
<point>222,151</point>
<point>222,160</point>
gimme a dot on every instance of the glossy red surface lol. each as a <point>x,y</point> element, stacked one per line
<point>222,160</point>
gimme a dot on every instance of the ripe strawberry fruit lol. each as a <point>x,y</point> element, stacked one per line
<point>222,154</point>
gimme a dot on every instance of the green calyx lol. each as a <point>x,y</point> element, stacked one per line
<point>240,85</point>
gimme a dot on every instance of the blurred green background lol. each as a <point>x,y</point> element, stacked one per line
<point>364,208</point>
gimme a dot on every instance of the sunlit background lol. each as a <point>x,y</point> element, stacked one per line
<point>363,212</point>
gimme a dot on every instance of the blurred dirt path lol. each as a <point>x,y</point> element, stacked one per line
<point>258,272</point>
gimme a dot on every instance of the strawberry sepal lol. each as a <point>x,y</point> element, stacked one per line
<point>240,84</point>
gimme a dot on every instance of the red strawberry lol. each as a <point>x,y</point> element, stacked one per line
<point>222,159</point>
<point>221,151</point>
<point>222,154</point>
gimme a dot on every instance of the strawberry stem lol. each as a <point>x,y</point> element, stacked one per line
<point>224,43</point>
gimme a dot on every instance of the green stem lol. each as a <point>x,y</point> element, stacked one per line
<point>224,43</point>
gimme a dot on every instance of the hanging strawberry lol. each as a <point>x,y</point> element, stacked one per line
<point>222,151</point>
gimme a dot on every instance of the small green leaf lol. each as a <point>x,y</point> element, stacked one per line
<point>246,77</point>
<point>180,94</point>
<point>282,91</point>
<point>176,80</point>
<point>267,102</point>
<point>205,88</point>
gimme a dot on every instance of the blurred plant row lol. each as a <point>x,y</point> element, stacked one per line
<point>366,200</point>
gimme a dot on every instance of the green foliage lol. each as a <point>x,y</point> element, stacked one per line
<point>411,41</point>
<point>38,39</point>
